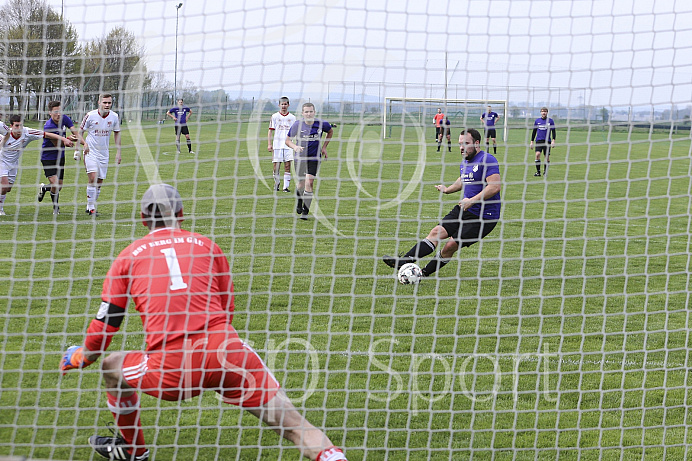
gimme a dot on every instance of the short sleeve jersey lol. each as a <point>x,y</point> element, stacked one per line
<point>309,136</point>
<point>490,118</point>
<point>281,124</point>
<point>179,281</point>
<point>438,119</point>
<point>543,128</point>
<point>48,150</point>
<point>100,129</point>
<point>180,114</point>
<point>473,176</point>
<point>14,146</point>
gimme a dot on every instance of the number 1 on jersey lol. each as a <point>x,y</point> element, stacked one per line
<point>177,282</point>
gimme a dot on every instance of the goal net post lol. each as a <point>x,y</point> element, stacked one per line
<point>462,113</point>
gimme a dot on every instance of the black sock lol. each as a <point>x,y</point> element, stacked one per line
<point>54,198</point>
<point>189,145</point>
<point>300,198</point>
<point>421,249</point>
<point>435,264</point>
<point>538,166</point>
<point>495,149</point>
<point>46,188</point>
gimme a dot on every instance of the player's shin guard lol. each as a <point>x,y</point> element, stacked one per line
<point>421,249</point>
<point>538,166</point>
<point>287,180</point>
<point>91,197</point>
<point>307,201</point>
<point>437,263</point>
<point>126,413</point>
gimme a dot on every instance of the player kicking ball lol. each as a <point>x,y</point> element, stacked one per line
<point>472,219</point>
<point>181,284</point>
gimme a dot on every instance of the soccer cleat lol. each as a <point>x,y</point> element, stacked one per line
<point>93,213</point>
<point>304,216</point>
<point>192,152</point>
<point>56,211</point>
<point>396,262</point>
<point>537,173</point>
<point>2,213</point>
<point>299,208</point>
<point>277,188</point>
<point>114,448</point>
<point>41,192</point>
<point>286,190</point>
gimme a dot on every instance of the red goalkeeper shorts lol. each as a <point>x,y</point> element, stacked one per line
<point>216,360</point>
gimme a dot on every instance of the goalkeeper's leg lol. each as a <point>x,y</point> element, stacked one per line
<point>123,402</point>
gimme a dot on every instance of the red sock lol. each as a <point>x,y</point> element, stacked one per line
<point>331,454</point>
<point>126,413</point>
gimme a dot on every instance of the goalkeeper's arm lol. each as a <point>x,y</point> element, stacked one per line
<point>99,336</point>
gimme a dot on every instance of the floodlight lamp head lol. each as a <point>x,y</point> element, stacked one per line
<point>179,5</point>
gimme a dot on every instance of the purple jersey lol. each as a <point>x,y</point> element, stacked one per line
<point>490,119</point>
<point>48,149</point>
<point>180,114</point>
<point>543,129</point>
<point>473,175</point>
<point>309,137</point>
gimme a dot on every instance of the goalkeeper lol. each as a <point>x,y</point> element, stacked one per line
<point>181,285</point>
<point>472,219</point>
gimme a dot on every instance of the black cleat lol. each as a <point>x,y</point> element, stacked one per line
<point>41,192</point>
<point>396,262</point>
<point>299,208</point>
<point>115,448</point>
<point>286,190</point>
<point>304,216</point>
<point>93,213</point>
<point>537,173</point>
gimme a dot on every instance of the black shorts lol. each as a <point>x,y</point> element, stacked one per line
<point>467,229</point>
<point>445,132</point>
<point>307,165</point>
<point>182,129</point>
<point>543,147</point>
<point>437,132</point>
<point>54,167</point>
<point>490,133</point>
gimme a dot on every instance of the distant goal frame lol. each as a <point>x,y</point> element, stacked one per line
<point>386,109</point>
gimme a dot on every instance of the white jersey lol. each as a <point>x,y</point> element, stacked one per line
<point>281,124</point>
<point>12,149</point>
<point>99,129</point>
<point>4,129</point>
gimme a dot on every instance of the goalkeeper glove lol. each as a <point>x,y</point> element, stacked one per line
<point>74,358</point>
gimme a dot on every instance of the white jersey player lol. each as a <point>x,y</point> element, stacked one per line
<point>14,140</point>
<point>99,123</point>
<point>279,125</point>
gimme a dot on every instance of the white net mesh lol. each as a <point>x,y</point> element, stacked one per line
<point>561,335</point>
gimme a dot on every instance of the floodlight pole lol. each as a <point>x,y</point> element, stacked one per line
<point>175,77</point>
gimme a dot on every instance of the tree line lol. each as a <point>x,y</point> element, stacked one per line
<point>42,58</point>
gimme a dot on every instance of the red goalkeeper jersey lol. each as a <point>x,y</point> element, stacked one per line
<point>179,281</point>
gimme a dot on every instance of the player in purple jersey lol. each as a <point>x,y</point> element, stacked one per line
<point>53,153</point>
<point>489,120</point>
<point>181,114</point>
<point>445,132</point>
<point>309,149</point>
<point>473,218</point>
<point>544,135</point>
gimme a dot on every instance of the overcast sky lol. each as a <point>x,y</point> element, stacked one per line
<point>599,52</point>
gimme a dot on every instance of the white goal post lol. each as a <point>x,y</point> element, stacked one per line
<point>431,103</point>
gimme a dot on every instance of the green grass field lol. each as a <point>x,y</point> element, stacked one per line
<point>563,335</point>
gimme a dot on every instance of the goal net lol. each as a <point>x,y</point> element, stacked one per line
<point>562,334</point>
<point>465,113</point>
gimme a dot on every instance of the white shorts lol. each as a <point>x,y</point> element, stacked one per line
<point>9,171</point>
<point>283,155</point>
<point>96,165</point>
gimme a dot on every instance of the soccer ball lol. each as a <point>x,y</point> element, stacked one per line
<point>410,274</point>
